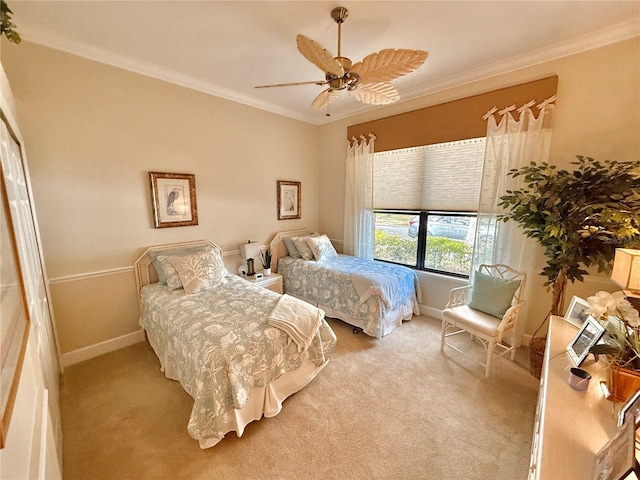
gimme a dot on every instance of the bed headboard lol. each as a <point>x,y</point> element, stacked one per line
<point>278,248</point>
<point>143,266</point>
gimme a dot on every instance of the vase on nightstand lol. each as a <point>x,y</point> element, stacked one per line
<point>267,272</point>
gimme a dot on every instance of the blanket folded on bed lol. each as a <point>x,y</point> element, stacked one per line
<point>367,284</point>
<point>297,318</point>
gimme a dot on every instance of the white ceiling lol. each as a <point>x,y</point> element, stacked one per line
<point>225,48</point>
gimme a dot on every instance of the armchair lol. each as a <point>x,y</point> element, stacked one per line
<point>488,310</point>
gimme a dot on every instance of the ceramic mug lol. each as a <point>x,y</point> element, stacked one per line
<point>579,379</point>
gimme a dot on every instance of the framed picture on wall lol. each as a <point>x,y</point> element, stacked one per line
<point>14,327</point>
<point>174,199</point>
<point>289,200</point>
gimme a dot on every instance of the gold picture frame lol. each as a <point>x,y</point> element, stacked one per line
<point>289,200</point>
<point>15,324</point>
<point>174,199</point>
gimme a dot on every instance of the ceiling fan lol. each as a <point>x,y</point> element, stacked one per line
<point>366,81</point>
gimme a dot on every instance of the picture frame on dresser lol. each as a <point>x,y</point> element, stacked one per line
<point>289,200</point>
<point>173,196</point>
<point>588,335</point>
<point>576,314</point>
<point>616,460</point>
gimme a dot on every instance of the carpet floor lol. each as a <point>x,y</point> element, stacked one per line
<point>395,408</point>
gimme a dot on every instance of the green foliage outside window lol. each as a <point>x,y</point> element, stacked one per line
<point>442,253</point>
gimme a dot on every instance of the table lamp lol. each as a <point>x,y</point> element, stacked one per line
<point>626,273</point>
<point>249,251</point>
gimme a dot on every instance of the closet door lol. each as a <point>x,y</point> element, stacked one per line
<point>32,265</point>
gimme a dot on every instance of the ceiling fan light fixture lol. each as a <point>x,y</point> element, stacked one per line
<point>366,81</point>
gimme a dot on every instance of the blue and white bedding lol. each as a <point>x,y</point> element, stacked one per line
<point>218,344</point>
<point>375,296</point>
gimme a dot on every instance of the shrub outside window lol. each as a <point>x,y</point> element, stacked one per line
<point>444,244</point>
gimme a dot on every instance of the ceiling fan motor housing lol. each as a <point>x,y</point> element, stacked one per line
<point>339,14</point>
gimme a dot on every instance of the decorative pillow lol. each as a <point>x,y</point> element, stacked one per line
<point>492,295</point>
<point>199,271</point>
<point>154,254</point>
<point>303,247</point>
<point>321,247</point>
<point>171,277</point>
<point>291,248</point>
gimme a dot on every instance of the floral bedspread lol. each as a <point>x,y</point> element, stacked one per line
<point>217,343</point>
<point>341,285</point>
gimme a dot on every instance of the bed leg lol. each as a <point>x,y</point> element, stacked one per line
<point>355,330</point>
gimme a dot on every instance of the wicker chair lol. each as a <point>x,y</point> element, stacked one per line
<point>458,317</point>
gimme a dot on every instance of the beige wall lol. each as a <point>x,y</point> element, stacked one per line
<point>92,134</point>
<point>598,114</point>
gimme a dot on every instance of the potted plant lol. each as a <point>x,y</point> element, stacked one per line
<point>265,258</point>
<point>579,217</point>
<point>6,24</point>
<point>622,343</point>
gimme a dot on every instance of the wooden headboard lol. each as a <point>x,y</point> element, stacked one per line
<point>278,248</point>
<point>143,266</point>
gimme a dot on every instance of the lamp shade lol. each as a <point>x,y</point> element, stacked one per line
<point>626,269</point>
<point>250,250</point>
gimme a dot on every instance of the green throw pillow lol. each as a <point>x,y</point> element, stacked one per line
<point>492,295</point>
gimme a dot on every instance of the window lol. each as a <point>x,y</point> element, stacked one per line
<point>424,206</point>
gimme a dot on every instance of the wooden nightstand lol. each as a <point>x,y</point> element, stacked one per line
<point>270,282</point>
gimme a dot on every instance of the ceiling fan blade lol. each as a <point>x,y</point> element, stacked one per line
<point>319,82</point>
<point>319,56</point>
<point>324,98</point>
<point>388,64</point>
<point>381,93</point>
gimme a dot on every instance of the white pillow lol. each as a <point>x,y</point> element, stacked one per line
<point>321,247</point>
<point>199,271</point>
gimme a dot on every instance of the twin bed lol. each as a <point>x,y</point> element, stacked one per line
<point>374,296</point>
<point>238,349</point>
<point>219,344</point>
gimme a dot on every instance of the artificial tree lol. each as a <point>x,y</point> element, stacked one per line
<point>6,24</point>
<point>579,217</point>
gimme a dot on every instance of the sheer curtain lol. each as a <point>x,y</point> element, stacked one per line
<point>511,143</point>
<point>359,225</point>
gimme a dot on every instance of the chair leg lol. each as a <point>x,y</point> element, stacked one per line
<point>490,349</point>
<point>513,345</point>
<point>442,335</point>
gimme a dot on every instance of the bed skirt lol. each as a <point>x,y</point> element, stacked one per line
<point>392,318</point>
<point>262,401</point>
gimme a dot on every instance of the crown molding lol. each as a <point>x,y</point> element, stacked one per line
<point>588,41</point>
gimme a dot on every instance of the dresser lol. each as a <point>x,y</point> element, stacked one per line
<point>570,426</point>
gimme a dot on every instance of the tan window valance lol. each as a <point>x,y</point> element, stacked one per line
<point>451,121</point>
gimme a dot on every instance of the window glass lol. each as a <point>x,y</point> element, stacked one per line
<point>424,200</point>
<point>449,243</point>
<point>394,241</point>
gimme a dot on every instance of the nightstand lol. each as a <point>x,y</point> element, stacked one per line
<point>270,282</point>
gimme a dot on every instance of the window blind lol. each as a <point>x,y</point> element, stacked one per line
<point>443,176</point>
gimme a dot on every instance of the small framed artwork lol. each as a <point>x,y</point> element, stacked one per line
<point>630,410</point>
<point>577,311</point>
<point>289,200</point>
<point>174,199</point>
<point>616,459</point>
<point>590,332</point>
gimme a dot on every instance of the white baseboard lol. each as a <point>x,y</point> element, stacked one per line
<point>430,312</point>
<point>86,353</point>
